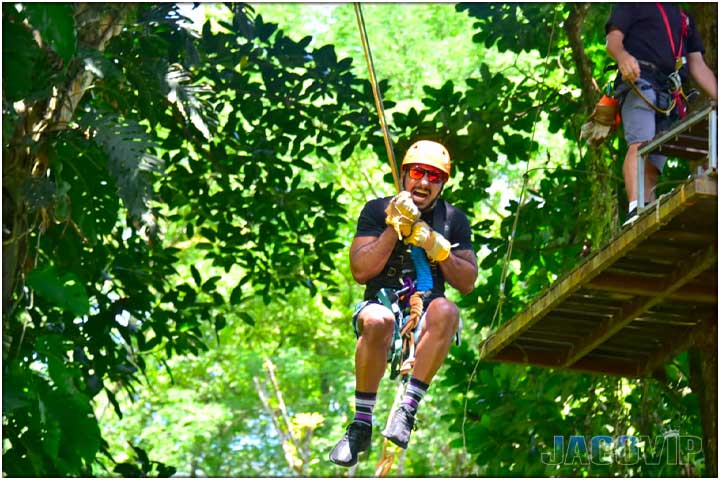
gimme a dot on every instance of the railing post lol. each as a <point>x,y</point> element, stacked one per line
<point>640,181</point>
<point>712,141</point>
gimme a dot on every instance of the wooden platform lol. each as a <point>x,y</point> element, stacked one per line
<point>631,306</point>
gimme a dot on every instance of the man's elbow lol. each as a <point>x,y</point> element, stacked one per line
<point>466,287</point>
<point>360,277</point>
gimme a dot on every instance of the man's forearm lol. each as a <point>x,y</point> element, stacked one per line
<point>703,76</point>
<point>368,255</point>
<point>460,270</point>
<point>627,64</point>
<point>614,45</point>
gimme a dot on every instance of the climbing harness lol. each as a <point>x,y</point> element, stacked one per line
<point>674,78</point>
<point>406,304</point>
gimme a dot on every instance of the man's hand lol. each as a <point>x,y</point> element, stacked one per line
<point>627,64</point>
<point>402,213</point>
<point>435,245</point>
<point>629,67</point>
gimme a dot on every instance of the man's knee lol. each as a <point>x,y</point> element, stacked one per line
<point>375,323</point>
<point>442,318</point>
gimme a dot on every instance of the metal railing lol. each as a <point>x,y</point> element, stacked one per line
<point>708,114</point>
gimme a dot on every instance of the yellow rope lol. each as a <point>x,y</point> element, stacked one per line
<point>377,95</point>
<point>387,459</point>
<point>390,450</point>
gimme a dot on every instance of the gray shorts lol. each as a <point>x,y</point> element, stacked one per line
<point>640,121</point>
<point>364,303</point>
<point>418,328</point>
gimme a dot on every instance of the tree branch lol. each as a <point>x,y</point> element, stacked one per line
<point>285,441</point>
<point>582,63</point>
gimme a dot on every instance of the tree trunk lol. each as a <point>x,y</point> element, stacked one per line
<point>706,17</point>
<point>604,204</point>
<point>96,25</point>
<point>703,378</point>
<point>704,358</point>
<point>297,454</point>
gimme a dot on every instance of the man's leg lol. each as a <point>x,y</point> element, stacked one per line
<point>436,336</point>
<point>438,330</point>
<point>630,176</point>
<point>639,125</point>
<point>375,325</point>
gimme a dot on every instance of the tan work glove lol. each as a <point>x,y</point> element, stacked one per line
<point>595,133</point>
<point>603,121</point>
<point>402,213</point>
<point>435,245</point>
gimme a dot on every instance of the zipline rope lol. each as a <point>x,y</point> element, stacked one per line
<point>506,261</point>
<point>376,94</point>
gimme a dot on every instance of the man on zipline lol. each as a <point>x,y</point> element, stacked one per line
<point>381,257</point>
<point>655,45</point>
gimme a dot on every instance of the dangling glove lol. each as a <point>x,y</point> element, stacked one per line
<point>402,213</point>
<point>603,121</point>
<point>436,247</point>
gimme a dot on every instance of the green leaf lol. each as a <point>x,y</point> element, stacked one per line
<point>56,24</point>
<point>348,149</point>
<point>196,275</point>
<point>247,318</point>
<point>22,62</point>
<point>236,294</point>
<point>63,290</point>
<point>128,470</point>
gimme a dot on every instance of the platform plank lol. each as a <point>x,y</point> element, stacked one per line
<point>629,307</point>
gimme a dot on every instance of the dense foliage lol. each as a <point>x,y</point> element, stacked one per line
<point>177,208</point>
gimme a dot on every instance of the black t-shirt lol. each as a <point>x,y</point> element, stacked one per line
<point>645,33</point>
<point>450,221</point>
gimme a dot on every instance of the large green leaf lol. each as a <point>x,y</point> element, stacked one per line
<point>24,65</point>
<point>56,24</point>
<point>64,290</point>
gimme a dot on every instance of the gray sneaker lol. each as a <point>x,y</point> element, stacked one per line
<point>401,425</point>
<point>356,440</point>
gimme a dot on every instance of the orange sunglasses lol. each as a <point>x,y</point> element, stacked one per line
<point>434,176</point>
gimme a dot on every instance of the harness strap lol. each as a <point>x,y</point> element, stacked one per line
<point>677,54</point>
<point>652,104</point>
<point>679,99</point>
<point>676,90</point>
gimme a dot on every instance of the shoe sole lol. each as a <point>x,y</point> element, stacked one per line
<point>349,464</point>
<point>630,221</point>
<point>396,442</point>
<point>341,463</point>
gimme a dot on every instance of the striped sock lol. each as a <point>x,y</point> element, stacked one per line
<point>364,404</point>
<point>415,392</point>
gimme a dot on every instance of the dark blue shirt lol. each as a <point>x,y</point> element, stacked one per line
<point>645,34</point>
<point>450,221</point>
